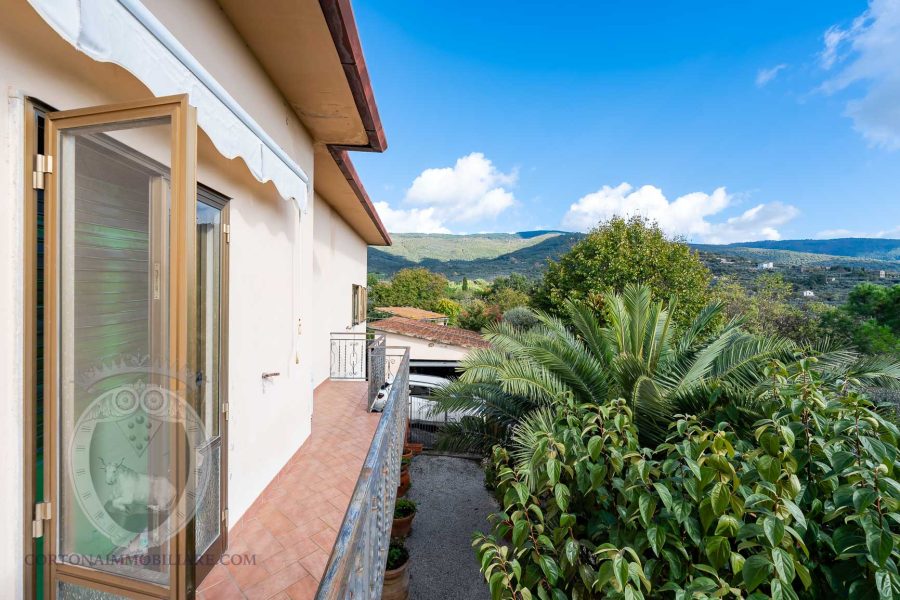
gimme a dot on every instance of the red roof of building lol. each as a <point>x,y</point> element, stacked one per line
<point>433,332</point>
<point>411,312</point>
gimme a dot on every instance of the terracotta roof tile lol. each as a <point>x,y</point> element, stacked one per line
<point>410,312</point>
<point>426,330</point>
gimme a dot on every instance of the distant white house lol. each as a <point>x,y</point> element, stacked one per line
<point>809,294</point>
<point>765,265</point>
<point>882,274</point>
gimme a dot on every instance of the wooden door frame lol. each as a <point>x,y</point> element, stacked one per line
<point>183,144</point>
<point>32,111</point>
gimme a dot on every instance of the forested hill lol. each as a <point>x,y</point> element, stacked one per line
<point>477,256</point>
<point>875,248</point>
<point>489,255</point>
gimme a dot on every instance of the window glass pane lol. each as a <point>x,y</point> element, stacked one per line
<point>117,493</point>
<point>419,390</point>
<point>209,286</point>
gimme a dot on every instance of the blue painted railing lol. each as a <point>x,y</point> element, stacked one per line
<point>356,567</point>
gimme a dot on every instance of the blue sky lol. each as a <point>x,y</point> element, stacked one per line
<point>724,121</point>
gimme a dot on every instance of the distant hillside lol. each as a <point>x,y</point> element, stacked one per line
<point>489,255</point>
<point>444,247</point>
<point>791,258</point>
<point>478,256</point>
<point>882,249</point>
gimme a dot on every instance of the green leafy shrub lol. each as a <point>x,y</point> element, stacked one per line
<point>520,317</point>
<point>449,307</point>
<point>397,555</point>
<point>478,315</point>
<point>808,506</point>
<point>404,508</point>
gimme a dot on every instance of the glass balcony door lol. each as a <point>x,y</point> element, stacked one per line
<point>210,529</point>
<point>121,468</point>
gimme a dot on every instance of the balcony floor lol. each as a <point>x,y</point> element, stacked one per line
<point>292,526</point>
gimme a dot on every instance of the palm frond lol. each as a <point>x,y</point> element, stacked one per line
<point>701,323</point>
<point>589,328</point>
<point>472,434</point>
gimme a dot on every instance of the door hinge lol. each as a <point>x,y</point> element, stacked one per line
<point>226,228</point>
<point>42,512</point>
<point>225,410</point>
<point>43,164</point>
<point>225,516</point>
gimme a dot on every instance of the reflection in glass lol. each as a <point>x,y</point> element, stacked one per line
<point>209,282</point>
<point>117,492</point>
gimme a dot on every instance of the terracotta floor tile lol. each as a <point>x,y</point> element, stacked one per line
<point>277,582</point>
<point>303,531</point>
<point>216,575</point>
<point>334,518</point>
<point>224,590</point>
<point>315,563</point>
<point>246,575</point>
<point>291,528</point>
<point>325,539</point>
<point>275,521</point>
<point>304,589</point>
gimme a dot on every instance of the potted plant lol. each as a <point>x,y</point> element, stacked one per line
<point>404,484</point>
<point>404,472</point>
<point>404,511</point>
<point>407,453</point>
<point>396,572</point>
<point>413,448</point>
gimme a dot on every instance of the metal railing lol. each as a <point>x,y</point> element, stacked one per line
<point>376,367</point>
<point>426,421</point>
<point>358,356</point>
<point>348,355</point>
<point>424,425</point>
<point>356,567</point>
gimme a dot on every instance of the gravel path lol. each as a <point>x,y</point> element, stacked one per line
<point>452,504</point>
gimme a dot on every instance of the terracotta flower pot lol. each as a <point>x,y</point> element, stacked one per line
<point>404,478</point>
<point>414,447</point>
<point>407,454</point>
<point>396,583</point>
<point>402,526</point>
<point>402,489</point>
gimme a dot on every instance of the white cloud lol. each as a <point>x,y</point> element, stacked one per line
<point>471,190</point>
<point>764,76</point>
<point>868,52</point>
<point>416,220</point>
<point>686,215</point>
<point>834,233</point>
<point>757,223</point>
<point>844,233</point>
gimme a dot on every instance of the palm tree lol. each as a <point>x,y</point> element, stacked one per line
<point>710,368</point>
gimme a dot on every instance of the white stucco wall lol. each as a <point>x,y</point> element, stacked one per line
<point>275,288</point>
<point>339,261</point>
<point>11,341</point>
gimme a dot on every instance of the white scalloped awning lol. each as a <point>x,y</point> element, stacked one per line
<point>124,32</point>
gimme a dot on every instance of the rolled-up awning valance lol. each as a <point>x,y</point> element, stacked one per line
<point>126,33</point>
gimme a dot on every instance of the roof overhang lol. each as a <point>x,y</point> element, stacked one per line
<point>338,183</point>
<point>312,52</point>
